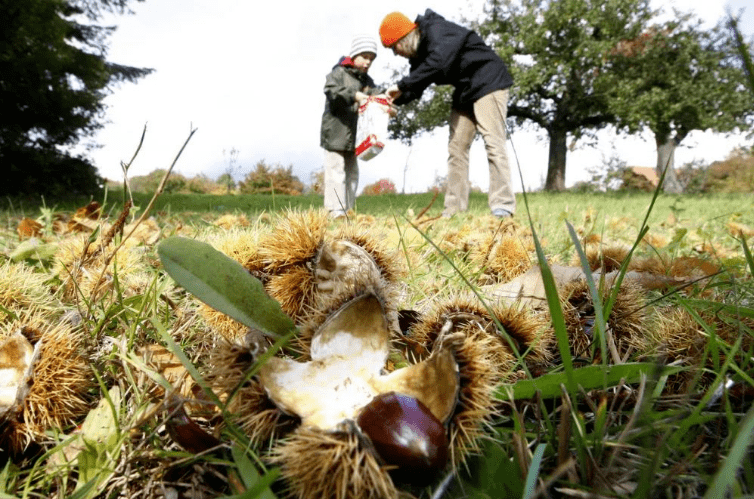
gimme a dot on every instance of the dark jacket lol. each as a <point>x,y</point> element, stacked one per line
<point>338,132</point>
<point>449,54</point>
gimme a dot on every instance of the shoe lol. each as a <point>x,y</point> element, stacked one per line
<point>501,213</point>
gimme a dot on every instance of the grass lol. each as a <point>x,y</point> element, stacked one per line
<point>589,424</point>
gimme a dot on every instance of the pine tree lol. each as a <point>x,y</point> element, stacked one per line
<point>54,77</point>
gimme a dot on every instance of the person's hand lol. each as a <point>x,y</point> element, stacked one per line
<point>393,92</point>
<point>360,97</point>
<point>389,108</point>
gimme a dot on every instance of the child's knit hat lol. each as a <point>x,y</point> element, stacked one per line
<point>361,44</point>
<point>394,27</point>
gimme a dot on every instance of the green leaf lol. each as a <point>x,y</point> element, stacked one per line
<point>33,249</point>
<point>600,326</point>
<point>531,477</point>
<point>728,472</point>
<point>257,486</point>
<point>589,378</point>
<point>491,475</point>
<point>95,448</point>
<point>223,284</point>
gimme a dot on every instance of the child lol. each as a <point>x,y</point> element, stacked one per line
<point>346,87</point>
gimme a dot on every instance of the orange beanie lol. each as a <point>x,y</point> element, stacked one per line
<point>394,27</point>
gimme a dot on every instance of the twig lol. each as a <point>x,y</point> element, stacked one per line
<point>421,213</point>
<point>159,190</point>
<point>146,211</point>
<point>126,166</point>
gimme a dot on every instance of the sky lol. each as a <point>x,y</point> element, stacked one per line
<point>249,76</point>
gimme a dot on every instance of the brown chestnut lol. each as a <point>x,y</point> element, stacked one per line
<point>405,433</point>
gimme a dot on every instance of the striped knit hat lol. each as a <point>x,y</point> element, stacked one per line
<point>361,44</point>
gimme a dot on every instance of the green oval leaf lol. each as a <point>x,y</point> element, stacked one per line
<point>589,378</point>
<point>223,284</point>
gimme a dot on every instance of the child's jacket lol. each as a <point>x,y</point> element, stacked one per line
<point>338,131</point>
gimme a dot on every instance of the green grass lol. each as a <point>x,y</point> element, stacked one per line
<point>602,428</point>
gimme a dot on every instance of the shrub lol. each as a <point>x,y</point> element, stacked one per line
<point>148,183</point>
<point>318,181</point>
<point>267,180</point>
<point>734,174</point>
<point>382,186</point>
<point>227,182</point>
<point>633,181</point>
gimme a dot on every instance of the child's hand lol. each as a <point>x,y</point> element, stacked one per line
<point>390,108</point>
<point>361,97</point>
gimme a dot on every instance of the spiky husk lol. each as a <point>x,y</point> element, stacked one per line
<point>284,257</point>
<point>62,378</point>
<point>510,259</point>
<point>80,265</point>
<point>322,464</point>
<point>504,254</point>
<point>298,263</point>
<point>286,262</point>
<point>22,288</point>
<point>388,263</point>
<point>676,337</point>
<point>221,324</point>
<point>485,359</point>
<point>479,360</point>
<point>603,258</point>
<point>627,322</point>
<point>386,260</point>
<point>679,337</point>
<point>230,221</point>
<point>254,412</point>
<point>295,289</point>
<point>294,241</point>
<point>527,330</point>
<point>237,243</point>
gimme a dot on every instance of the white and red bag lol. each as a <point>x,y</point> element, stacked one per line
<point>371,129</point>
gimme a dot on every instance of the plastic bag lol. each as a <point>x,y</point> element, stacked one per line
<point>371,129</point>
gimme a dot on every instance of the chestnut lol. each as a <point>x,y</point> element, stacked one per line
<point>405,434</point>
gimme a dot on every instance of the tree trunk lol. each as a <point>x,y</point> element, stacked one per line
<point>556,163</point>
<point>666,161</point>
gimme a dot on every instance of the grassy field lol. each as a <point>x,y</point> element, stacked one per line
<point>636,387</point>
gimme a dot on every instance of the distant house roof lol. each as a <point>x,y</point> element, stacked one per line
<point>646,172</point>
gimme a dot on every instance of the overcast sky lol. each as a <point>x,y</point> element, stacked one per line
<point>249,76</point>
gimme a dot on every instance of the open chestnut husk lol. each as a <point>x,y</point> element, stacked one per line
<point>405,434</point>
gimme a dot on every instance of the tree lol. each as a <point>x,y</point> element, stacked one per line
<point>53,78</point>
<point>743,49</point>
<point>675,78</point>
<point>555,51</point>
<point>421,115</point>
<point>226,178</point>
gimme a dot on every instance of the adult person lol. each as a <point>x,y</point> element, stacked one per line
<point>445,53</point>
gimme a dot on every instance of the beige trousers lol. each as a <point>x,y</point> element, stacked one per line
<point>341,181</point>
<point>489,120</point>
